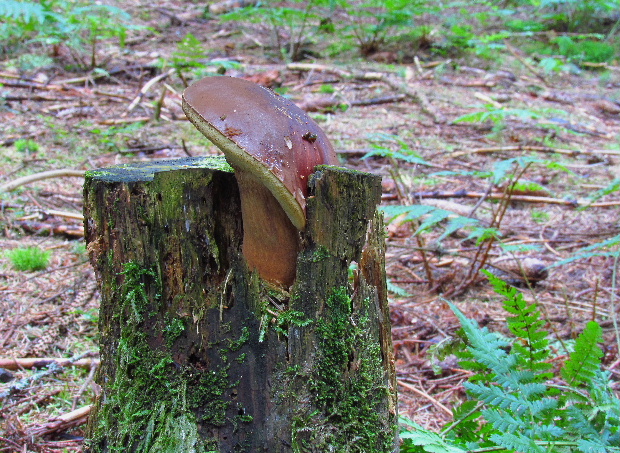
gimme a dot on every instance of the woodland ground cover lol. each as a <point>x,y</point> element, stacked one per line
<point>496,128</point>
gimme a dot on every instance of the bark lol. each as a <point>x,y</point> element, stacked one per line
<point>199,355</point>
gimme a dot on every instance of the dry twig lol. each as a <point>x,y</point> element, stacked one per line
<point>12,185</point>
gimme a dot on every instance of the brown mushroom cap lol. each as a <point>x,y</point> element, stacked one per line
<point>262,133</point>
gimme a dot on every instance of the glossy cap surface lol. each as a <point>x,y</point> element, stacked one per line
<point>262,133</point>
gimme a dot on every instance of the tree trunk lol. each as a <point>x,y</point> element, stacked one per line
<point>199,355</point>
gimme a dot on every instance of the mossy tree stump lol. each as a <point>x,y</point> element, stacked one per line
<point>199,355</point>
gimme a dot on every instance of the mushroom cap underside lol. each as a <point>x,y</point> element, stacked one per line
<point>262,133</point>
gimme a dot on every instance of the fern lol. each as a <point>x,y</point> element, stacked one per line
<point>527,326</point>
<point>515,404</point>
<point>416,436</point>
<point>23,12</point>
<point>585,361</point>
<point>517,443</point>
<point>430,217</point>
<point>608,248</point>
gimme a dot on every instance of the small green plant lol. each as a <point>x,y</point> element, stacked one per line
<point>518,403</point>
<point>584,50</point>
<point>375,21</point>
<point>26,146</point>
<point>291,26</point>
<point>576,15</point>
<point>29,259</point>
<point>498,116</point>
<point>372,24</point>
<point>327,88</point>
<point>113,138</point>
<point>191,54</point>
<point>540,216</point>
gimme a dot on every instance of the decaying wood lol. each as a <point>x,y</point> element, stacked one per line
<point>197,352</point>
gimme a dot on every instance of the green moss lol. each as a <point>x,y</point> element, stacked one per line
<point>152,403</point>
<point>209,387</point>
<point>287,318</point>
<point>348,384</point>
<point>173,330</point>
<point>320,254</point>
<point>235,345</point>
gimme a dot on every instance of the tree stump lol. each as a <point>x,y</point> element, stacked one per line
<point>199,355</point>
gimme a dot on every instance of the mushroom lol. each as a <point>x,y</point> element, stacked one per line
<point>273,146</point>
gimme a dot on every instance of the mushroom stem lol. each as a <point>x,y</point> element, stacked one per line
<point>270,241</point>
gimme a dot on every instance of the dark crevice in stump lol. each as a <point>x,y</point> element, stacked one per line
<point>198,355</point>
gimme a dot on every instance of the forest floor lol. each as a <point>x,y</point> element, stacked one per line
<point>82,121</point>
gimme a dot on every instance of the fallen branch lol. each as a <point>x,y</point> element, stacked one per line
<point>39,86</point>
<point>41,362</point>
<point>116,121</point>
<point>540,149</point>
<point>320,68</point>
<point>38,213</point>
<point>332,102</point>
<point>525,63</point>
<point>71,231</point>
<point>416,96</point>
<point>63,422</point>
<point>514,197</point>
<point>54,367</point>
<point>9,186</point>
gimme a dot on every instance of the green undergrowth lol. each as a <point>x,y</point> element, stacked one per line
<point>517,400</point>
<point>32,29</point>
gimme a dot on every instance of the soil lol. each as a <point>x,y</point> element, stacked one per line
<point>382,112</point>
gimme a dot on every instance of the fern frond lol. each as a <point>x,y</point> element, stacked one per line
<point>517,443</point>
<point>415,435</point>
<point>589,446</point>
<point>539,407</point>
<point>585,361</point>
<point>485,346</point>
<point>397,290</point>
<point>503,421</point>
<point>496,397</point>
<point>578,422</point>
<point>23,11</point>
<point>412,212</point>
<point>527,326</point>
<point>457,223</point>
